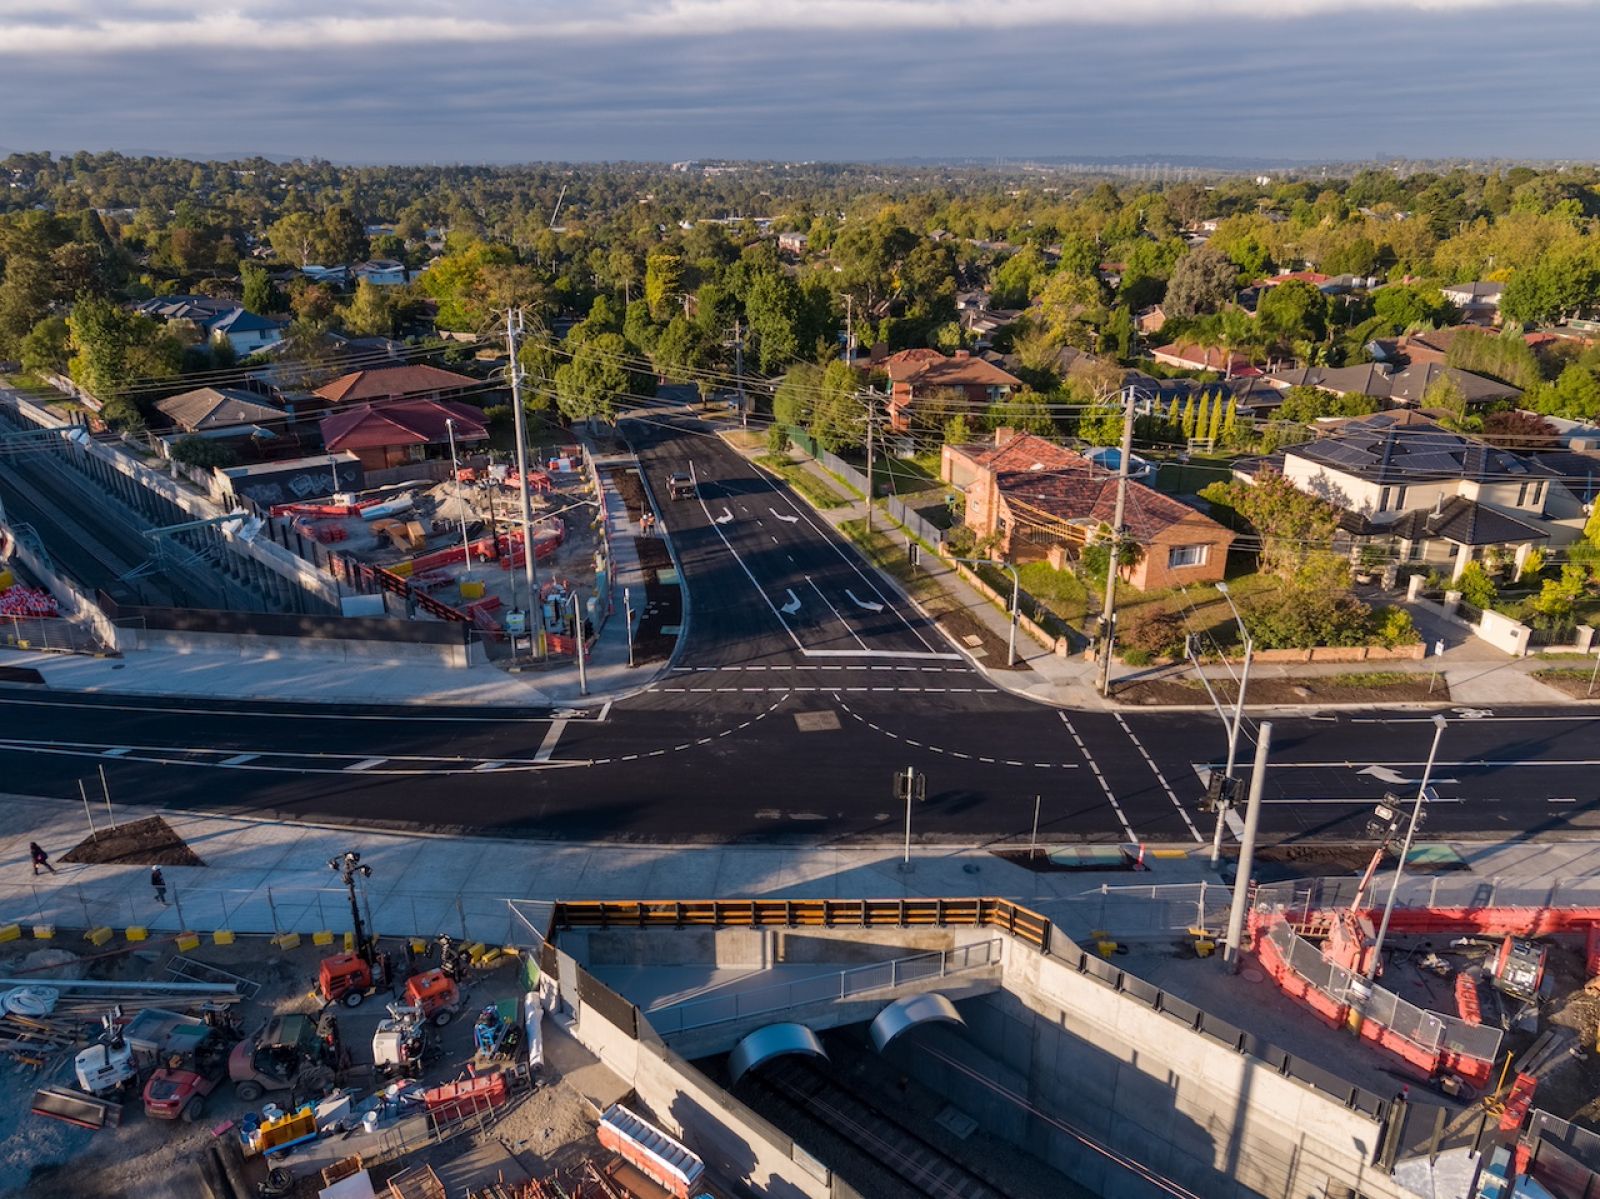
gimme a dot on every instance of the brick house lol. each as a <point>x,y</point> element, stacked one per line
<point>916,374</point>
<point>387,435</point>
<point>414,381</point>
<point>1036,496</point>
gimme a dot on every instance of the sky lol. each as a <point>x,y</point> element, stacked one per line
<point>663,80</point>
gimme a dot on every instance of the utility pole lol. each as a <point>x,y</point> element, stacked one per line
<point>1439,726</point>
<point>738,370</point>
<point>1109,608</point>
<point>577,628</point>
<point>530,571</point>
<point>872,418</point>
<point>849,329</point>
<point>1247,848</point>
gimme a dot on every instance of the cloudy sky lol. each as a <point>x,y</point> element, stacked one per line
<point>518,80</point>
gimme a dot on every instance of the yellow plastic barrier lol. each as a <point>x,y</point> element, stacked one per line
<point>324,937</point>
<point>1105,948</point>
<point>44,932</point>
<point>98,936</point>
<point>349,941</point>
<point>287,941</point>
<point>188,942</point>
<point>418,945</point>
<point>6,580</point>
<point>10,932</point>
<point>471,588</point>
<point>223,936</point>
<point>136,932</point>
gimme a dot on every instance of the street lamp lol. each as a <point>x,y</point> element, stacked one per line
<point>1439,725</point>
<point>1238,721</point>
<point>1016,595</point>
<point>349,866</point>
<point>461,504</point>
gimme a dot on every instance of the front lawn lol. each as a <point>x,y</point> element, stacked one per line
<point>818,493</point>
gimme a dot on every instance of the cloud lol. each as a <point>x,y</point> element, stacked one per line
<point>41,29</point>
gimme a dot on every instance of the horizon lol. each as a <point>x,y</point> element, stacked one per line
<point>882,81</point>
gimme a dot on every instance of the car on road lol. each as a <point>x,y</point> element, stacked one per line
<point>680,486</point>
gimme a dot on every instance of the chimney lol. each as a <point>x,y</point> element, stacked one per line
<point>963,354</point>
<point>1004,434</point>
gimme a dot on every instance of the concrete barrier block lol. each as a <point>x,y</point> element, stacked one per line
<point>44,932</point>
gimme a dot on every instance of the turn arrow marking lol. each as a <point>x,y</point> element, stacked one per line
<point>725,518</point>
<point>791,520</point>
<point>1385,775</point>
<point>793,605</point>
<point>869,606</point>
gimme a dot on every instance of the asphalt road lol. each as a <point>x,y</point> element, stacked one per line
<point>803,683</point>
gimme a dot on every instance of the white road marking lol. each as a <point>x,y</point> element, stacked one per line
<point>238,759</point>
<point>486,767</point>
<point>116,753</point>
<point>1160,778</point>
<point>366,764</point>
<point>869,605</point>
<point>836,613</point>
<point>1094,769</point>
<point>793,605</point>
<point>725,518</point>
<point>789,520</point>
<point>330,714</point>
<point>547,747</point>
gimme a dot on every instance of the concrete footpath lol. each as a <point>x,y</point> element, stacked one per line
<point>263,876</point>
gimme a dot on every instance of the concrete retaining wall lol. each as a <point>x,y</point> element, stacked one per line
<point>734,1141</point>
<point>326,649</point>
<point>759,948</point>
<point>75,605</point>
<point>1215,1120</point>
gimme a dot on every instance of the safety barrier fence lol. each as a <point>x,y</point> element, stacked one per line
<point>1130,912</point>
<point>999,914</point>
<point>1444,902</point>
<point>121,902</point>
<point>669,1018</point>
<point>1433,1041</point>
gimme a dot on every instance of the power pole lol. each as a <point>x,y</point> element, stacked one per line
<point>872,416</point>
<point>738,370</point>
<point>1109,608</point>
<point>849,329</point>
<point>530,571</point>
<point>1247,848</point>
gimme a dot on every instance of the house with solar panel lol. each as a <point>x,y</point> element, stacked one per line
<point>1435,497</point>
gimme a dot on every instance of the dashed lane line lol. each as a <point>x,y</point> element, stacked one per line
<point>878,728</point>
<point>1094,769</point>
<point>1160,778</point>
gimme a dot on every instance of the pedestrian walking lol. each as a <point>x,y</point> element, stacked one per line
<point>40,858</point>
<point>160,885</point>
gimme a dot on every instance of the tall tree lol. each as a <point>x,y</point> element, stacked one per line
<point>1203,281</point>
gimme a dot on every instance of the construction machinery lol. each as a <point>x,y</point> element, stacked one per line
<point>114,1064</point>
<point>348,978</point>
<point>285,1053</point>
<point>435,995</point>
<point>402,1044</point>
<point>1517,967</point>
<point>182,1086</point>
<point>497,1033</point>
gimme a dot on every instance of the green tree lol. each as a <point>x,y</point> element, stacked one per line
<point>1294,310</point>
<point>1069,307</point>
<point>838,421</point>
<point>663,282</point>
<point>298,237</point>
<point>1408,305</point>
<point>1202,281</point>
<point>681,351</point>
<point>1575,395</point>
<point>1475,586</point>
<point>1289,523</point>
<point>590,384</point>
<point>796,395</point>
<point>776,312</point>
<point>47,347</point>
<point>344,238</point>
<point>114,348</point>
<point>202,452</point>
<point>370,312</point>
<point>260,296</point>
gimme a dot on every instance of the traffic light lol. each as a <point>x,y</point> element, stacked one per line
<point>1221,793</point>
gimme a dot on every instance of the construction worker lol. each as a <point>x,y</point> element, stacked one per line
<point>40,858</point>
<point>159,884</point>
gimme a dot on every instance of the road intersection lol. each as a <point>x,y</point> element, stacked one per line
<point>803,681</point>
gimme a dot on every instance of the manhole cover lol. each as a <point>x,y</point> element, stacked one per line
<point>973,640</point>
<point>1252,976</point>
<point>816,722</point>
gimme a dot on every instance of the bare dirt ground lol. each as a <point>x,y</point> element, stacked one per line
<point>1370,687</point>
<point>45,1159</point>
<point>147,842</point>
<point>1578,684</point>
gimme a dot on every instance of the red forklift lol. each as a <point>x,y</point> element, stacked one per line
<point>348,978</point>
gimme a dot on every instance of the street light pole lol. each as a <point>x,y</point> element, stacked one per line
<point>1247,848</point>
<point>1439,726</point>
<point>1108,609</point>
<point>520,419</point>
<point>1237,724</point>
<point>1016,593</point>
<point>461,503</point>
<point>577,627</point>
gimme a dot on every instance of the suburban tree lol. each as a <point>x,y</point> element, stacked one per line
<point>1203,281</point>
<point>1289,524</point>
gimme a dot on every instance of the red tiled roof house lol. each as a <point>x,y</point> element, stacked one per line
<point>385,435</point>
<point>416,381</point>
<point>1036,495</point>
<point>915,374</point>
